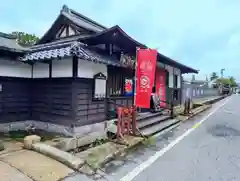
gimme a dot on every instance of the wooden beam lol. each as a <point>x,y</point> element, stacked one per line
<point>75,66</point>
<point>67,30</point>
<point>50,69</point>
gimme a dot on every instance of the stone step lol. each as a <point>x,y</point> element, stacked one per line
<point>148,131</point>
<point>149,122</point>
<point>143,116</point>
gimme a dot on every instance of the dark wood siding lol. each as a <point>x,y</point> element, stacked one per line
<point>52,100</point>
<point>88,111</point>
<point>14,99</point>
<point>64,101</point>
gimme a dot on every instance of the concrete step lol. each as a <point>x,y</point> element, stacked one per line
<point>149,131</point>
<point>148,115</point>
<point>149,122</point>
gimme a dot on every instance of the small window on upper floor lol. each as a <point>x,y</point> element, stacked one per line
<point>167,79</point>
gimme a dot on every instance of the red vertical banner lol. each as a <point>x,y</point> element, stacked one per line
<point>145,74</point>
<point>161,85</point>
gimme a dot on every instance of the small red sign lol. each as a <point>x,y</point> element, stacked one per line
<point>146,65</point>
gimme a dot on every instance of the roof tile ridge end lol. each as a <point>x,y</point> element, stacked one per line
<point>65,9</point>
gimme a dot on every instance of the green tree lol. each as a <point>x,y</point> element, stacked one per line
<point>214,76</point>
<point>223,81</point>
<point>25,39</point>
<point>233,81</point>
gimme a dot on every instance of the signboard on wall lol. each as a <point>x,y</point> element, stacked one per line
<point>128,87</point>
<point>145,73</point>
<point>99,90</point>
<point>127,60</point>
<point>161,86</point>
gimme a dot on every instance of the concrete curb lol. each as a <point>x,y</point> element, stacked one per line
<point>119,150</point>
<point>198,111</point>
<point>212,101</point>
<point>203,107</point>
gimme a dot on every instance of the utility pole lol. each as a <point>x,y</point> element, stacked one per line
<point>222,72</point>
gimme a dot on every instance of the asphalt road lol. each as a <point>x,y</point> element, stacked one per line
<point>210,152</point>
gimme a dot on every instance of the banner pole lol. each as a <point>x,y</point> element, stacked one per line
<point>135,79</point>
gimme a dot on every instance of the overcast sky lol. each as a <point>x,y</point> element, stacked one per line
<point>204,34</point>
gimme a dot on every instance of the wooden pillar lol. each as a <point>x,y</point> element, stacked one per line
<point>75,66</point>
<point>74,89</point>
<point>50,69</point>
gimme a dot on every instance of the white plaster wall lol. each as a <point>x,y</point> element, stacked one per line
<point>10,68</point>
<point>71,31</point>
<point>64,33</point>
<point>178,73</point>
<point>41,70</point>
<point>87,69</point>
<point>171,71</point>
<point>62,68</point>
<point>179,81</point>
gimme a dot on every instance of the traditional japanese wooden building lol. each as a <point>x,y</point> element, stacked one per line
<point>75,75</point>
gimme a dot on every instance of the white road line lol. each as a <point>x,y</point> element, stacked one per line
<point>135,172</point>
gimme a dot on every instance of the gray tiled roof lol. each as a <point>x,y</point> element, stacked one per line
<point>66,40</point>
<point>82,23</point>
<point>48,54</point>
<point>82,20</point>
<point>9,42</point>
<point>67,50</point>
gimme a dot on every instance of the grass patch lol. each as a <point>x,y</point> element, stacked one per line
<point>1,146</point>
<point>17,135</point>
<point>149,141</point>
<point>196,106</point>
<point>92,161</point>
<point>98,142</point>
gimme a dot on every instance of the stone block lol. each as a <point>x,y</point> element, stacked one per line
<point>67,144</point>
<point>59,155</point>
<point>30,140</point>
<point>90,138</point>
<point>82,131</point>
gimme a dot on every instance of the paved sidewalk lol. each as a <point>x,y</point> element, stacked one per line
<point>33,165</point>
<point>8,173</point>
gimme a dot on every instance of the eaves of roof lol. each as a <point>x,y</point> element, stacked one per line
<point>185,69</point>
